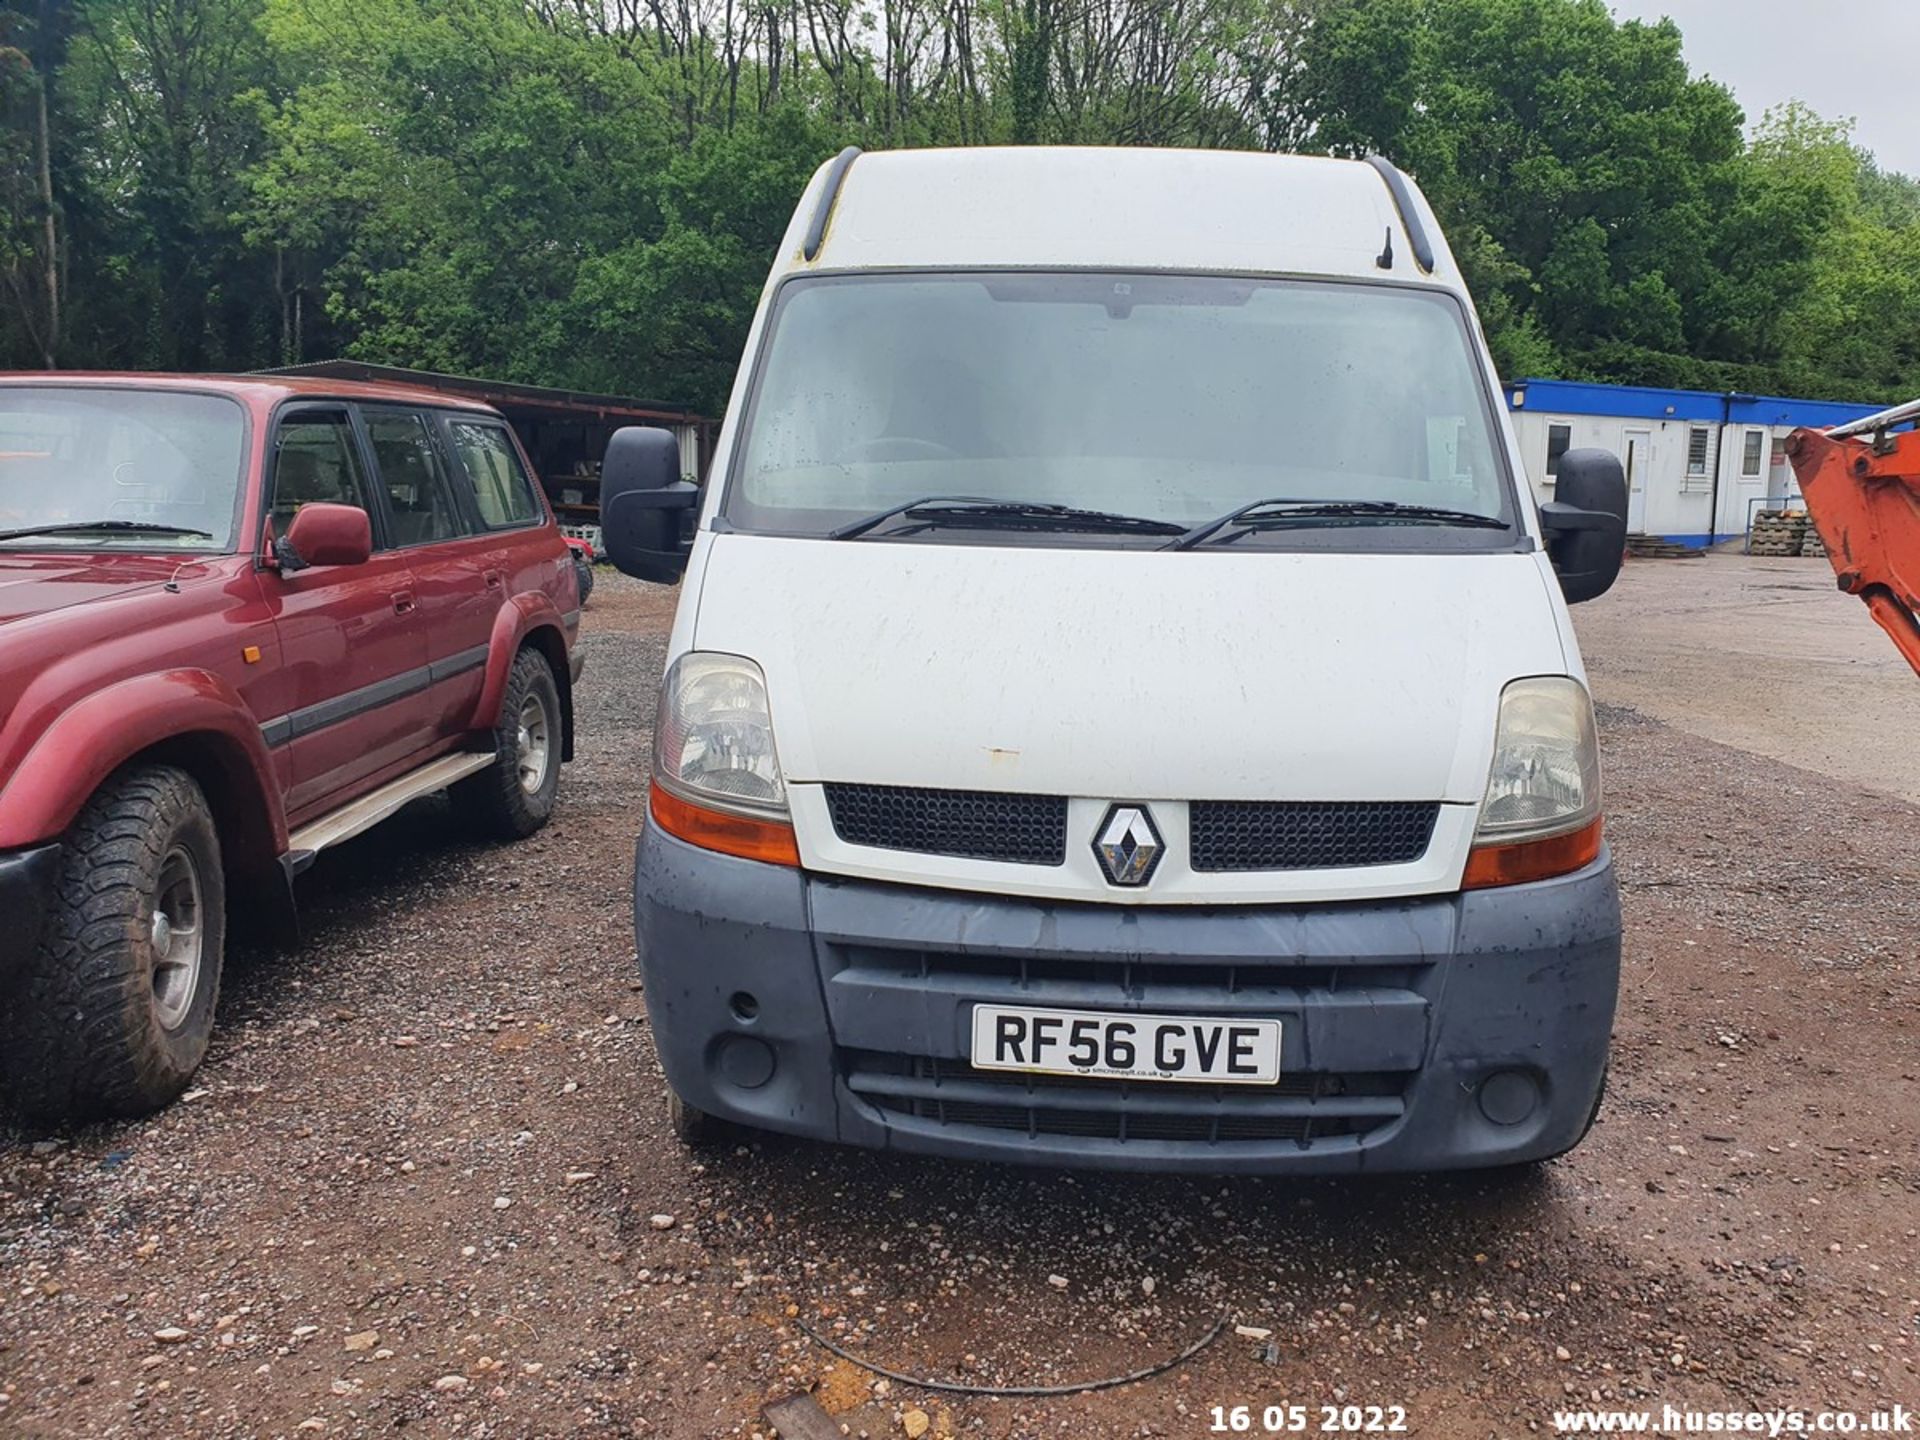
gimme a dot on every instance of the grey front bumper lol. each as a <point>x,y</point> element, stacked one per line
<point>840,1009</point>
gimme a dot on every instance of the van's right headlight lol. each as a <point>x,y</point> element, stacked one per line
<point>1541,814</point>
<point>716,771</point>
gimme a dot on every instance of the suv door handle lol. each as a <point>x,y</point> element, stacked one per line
<point>403,602</point>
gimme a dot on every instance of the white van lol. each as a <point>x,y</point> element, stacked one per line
<point>1122,709</point>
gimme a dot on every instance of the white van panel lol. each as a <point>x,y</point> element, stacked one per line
<point>1129,675</point>
<point>1118,208</point>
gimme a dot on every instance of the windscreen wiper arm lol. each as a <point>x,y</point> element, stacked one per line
<point>112,527</point>
<point>1284,510</point>
<point>1009,514</point>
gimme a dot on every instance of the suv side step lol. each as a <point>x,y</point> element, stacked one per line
<point>370,809</point>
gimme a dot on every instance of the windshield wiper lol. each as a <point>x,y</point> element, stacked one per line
<point>1285,510</point>
<point>974,510</point>
<point>112,527</point>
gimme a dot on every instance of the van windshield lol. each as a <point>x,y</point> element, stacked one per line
<point>99,467</point>
<point>1167,398</point>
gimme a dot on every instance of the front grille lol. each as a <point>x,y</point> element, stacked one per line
<point>1223,835</point>
<point>951,1094</point>
<point>974,824</point>
<point>1307,835</point>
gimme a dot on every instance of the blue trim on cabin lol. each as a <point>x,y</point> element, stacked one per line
<point>1629,402</point>
<point>1646,402</point>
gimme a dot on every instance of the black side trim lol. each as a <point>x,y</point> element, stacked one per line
<point>823,212</point>
<point>332,711</point>
<point>358,702</point>
<point>449,666</point>
<point>1409,212</point>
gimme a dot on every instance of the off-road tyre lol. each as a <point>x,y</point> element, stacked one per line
<point>583,572</point>
<point>501,799</point>
<point>103,1022</point>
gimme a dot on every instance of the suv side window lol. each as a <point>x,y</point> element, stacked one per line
<point>315,459</point>
<point>502,490</point>
<point>420,508</point>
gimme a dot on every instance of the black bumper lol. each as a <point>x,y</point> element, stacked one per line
<point>27,879</point>
<point>1425,1034</point>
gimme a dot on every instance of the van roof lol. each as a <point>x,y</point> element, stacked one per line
<point>1142,209</point>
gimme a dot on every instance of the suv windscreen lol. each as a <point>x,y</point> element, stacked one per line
<point>72,456</point>
<point>1173,398</point>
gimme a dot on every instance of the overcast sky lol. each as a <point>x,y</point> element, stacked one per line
<point>1843,57</point>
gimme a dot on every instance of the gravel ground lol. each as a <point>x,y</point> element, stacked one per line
<point>425,1180</point>
<point>1764,654</point>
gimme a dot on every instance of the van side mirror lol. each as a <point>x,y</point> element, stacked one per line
<point>322,533</point>
<point>641,497</point>
<point>1586,523</point>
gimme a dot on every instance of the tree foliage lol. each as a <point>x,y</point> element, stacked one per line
<point>588,192</point>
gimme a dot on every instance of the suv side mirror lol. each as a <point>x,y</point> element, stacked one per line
<point>325,534</point>
<point>641,497</point>
<point>1586,523</point>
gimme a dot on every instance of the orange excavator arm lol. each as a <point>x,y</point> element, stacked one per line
<point>1861,483</point>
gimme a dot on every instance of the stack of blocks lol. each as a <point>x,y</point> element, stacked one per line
<point>1778,532</point>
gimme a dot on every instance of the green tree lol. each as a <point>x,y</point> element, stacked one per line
<point>172,90</point>
<point>457,162</point>
<point>1575,155</point>
<point>589,193</point>
<point>1843,316</point>
<point>33,44</point>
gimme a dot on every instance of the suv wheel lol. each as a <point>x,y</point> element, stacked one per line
<point>513,797</point>
<point>115,1009</point>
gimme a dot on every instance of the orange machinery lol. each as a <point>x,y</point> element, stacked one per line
<point>1861,483</point>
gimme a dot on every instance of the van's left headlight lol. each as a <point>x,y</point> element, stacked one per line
<point>716,773</point>
<point>1541,814</point>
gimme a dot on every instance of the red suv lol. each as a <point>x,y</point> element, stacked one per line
<point>240,621</point>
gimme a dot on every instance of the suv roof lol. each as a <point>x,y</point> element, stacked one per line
<point>254,391</point>
<point>989,207</point>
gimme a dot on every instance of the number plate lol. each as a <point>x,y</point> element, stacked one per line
<point>1126,1046</point>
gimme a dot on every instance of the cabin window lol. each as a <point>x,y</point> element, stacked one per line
<point>1559,437</point>
<point>1754,448</point>
<point>1697,439</point>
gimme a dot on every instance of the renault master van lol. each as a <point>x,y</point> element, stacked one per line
<point>1122,710</point>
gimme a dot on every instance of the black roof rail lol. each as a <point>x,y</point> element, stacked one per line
<point>830,192</point>
<point>1409,212</point>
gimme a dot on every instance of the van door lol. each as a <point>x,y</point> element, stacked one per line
<point>1639,448</point>
<point>1754,473</point>
<point>350,696</point>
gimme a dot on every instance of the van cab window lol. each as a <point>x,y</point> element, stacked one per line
<point>1173,398</point>
<point>315,460</point>
<point>502,490</point>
